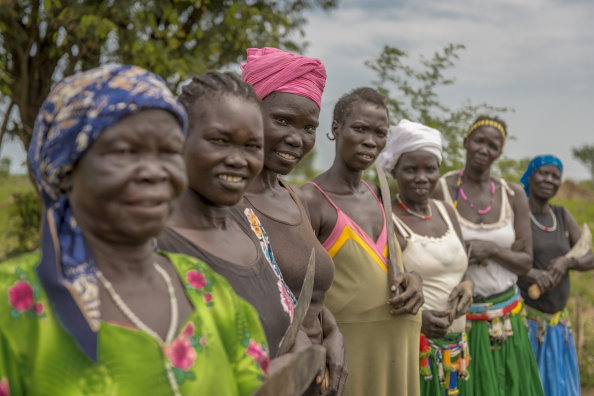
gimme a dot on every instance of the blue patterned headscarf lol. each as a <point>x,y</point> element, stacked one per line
<point>73,116</point>
<point>535,163</point>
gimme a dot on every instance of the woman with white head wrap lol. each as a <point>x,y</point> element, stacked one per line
<point>431,242</point>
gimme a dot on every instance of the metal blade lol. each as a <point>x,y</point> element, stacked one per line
<point>301,308</point>
<point>393,268</point>
<point>296,376</point>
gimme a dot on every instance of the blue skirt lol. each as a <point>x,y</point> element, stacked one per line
<point>554,348</point>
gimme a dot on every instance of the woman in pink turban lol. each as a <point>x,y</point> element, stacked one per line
<point>291,87</point>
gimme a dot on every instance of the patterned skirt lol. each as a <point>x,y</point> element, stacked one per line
<point>503,363</point>
<point>444,365</point>
<point>554,348</point>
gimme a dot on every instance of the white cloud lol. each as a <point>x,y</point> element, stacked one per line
<point>536,56</point>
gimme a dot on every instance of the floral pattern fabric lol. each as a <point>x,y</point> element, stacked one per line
<point>75,113</point>
<point>287,298</point>
<point>220,349</point>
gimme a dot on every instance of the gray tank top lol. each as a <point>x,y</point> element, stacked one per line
<point>547,246</point>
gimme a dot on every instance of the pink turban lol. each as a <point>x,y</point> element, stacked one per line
<point>270,70</point>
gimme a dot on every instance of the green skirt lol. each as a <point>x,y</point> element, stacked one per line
<point>502,366</point>
<point>436,378</point>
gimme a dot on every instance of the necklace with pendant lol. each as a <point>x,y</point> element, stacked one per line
<point>410,212</point>
<point>542,227</point>
<point>128,313</point>
<point>460,193</point>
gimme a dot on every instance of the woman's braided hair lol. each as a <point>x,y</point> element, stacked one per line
<point>215,83</point>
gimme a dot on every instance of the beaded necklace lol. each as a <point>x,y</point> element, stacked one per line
<point>542,227</point>
<point>409,211</point>
<point>125,309</point>
<point>460,193</point>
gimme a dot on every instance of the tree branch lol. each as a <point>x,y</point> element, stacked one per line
<point>4,126</point>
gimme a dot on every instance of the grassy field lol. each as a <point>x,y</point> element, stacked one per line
<point>581,305</point>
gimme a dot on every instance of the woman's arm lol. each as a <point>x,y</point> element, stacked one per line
<point>335,358</point>
<point>311,200</point>
<point>559,266</point>
<point>584,263</point>
<point>518,259</point>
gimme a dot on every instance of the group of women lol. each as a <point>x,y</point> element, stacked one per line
<point>173,252</point>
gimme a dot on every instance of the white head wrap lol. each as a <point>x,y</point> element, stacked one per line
<point>406,137</point>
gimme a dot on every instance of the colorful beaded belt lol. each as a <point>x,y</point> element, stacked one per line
<point>497,315</point>
<point>451,358</point>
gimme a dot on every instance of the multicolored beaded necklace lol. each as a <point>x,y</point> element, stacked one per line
<point>410,212</point>
<point>460,193</point>
<point>542,227</point>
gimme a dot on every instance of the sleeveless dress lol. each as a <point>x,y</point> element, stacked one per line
<point>503,362</point>
<point>259,282</point>
<point>382,350</point>
<point>292,244</point>
<point>219,350</point>
<point>441,261</point>
<point>548,319</point>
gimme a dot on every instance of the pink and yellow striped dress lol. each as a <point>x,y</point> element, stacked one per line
<point>382,350</point>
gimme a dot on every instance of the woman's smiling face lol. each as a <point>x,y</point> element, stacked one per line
<point>224,149</point>
<point>290,123</point>
<point>123,186</point>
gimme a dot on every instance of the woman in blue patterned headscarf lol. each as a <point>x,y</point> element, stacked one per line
<point>98,310</point>
<point>554,233</point>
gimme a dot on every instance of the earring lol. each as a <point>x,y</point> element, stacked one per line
<point>330,137</point>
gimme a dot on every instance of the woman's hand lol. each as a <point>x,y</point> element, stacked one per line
<point>558,268</point>
<point>542,278</point>
<point>411,299</point>
<point>435,323</point>
<point>461,295</point>
<point>335,358</point>
<point>335,361</point>
<point>480,251</point>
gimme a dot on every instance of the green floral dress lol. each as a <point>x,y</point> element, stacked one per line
<point>220,350</point>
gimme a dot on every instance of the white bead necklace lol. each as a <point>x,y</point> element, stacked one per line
<point>544,228</point>
<point>121,304</point>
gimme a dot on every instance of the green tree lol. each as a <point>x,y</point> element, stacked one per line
<point>43,40</point>
<point>585,155</point>
<point>411,93</point>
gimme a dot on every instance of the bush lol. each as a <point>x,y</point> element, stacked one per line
<point>23,224</point>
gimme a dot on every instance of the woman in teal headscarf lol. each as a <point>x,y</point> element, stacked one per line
<point>554,233</point>
<point>97,311</point>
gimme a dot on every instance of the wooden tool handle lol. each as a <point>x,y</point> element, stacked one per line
<point>326,380</point>
<point>534,291</point>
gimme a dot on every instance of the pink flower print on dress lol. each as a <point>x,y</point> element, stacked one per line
<point>208,299</point>
<point>286,299</point>
<point>4,388</point>
<point>181,353</point>
<point>38,308</point>
<point>196,279</point>
<point>259,355</point>
<point>188,330</point>
<point>21,296</point>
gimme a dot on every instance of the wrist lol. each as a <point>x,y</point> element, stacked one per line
<point>416,275</point>
<point>572,262</point>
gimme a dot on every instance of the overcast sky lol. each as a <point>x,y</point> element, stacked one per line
<point>536,56</point>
